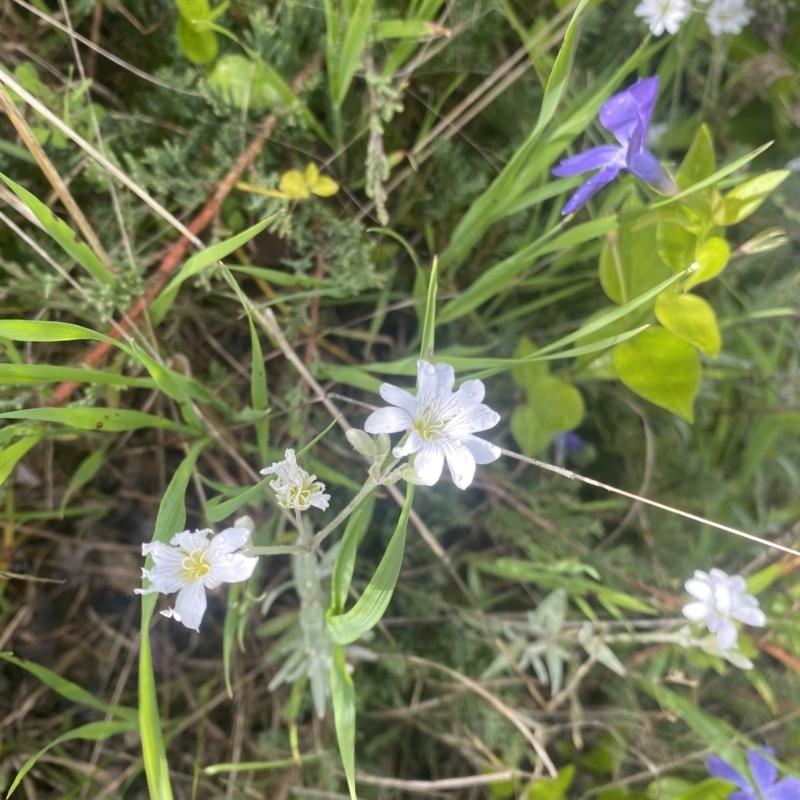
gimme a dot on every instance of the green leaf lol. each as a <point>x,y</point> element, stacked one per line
<point>343,698</point>
<point>199,46</point>
<point>105,419</point>
<point>711,257</point>
<point>345,563</point>
<point>676,246</point>
<point>94,732</point>
<point>553,788</point>
<point>691,318</point>
<point>528,375</point>
<point>170,520</point>
<point>25,374</point>
<point>662,368</point>
<point>86,470</point>
<point>244,83</point>
<point>24,330</point>
<point>742,201</point>
<point>709,789</point>
<point>63,235</point>
<point>630,264</point>
<point>217,508</point>
<point>429,319</point>
<point>71,691</point>
<point>366,613</point>
<point>350,56</point>
<point>198,262</point>
<point>9,456</point>
<point>405,29</point>
<point>553,406</point>
<point>699,162</point>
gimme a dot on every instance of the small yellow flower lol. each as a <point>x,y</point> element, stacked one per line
<point>295,185</point>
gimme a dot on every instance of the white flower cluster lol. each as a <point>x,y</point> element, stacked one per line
<point>721,600</point>
<point>722,16</point>
<point>191,563</point>
<point>294,487</point>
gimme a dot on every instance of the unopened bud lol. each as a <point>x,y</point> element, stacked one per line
<point>245,522</point>
<point>362,442</point>
<point>764,241</point>
<point>409,475</point>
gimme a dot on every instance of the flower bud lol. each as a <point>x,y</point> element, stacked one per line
<point>362,442</point>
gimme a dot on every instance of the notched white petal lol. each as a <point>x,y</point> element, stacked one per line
<point>190,605</point>
<point>428,464</point>
<point>228,541</point>
<point>395,396</point>
<point>387,420</point>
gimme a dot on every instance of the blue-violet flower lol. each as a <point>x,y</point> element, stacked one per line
<point>764,773</point>
<point>627,116</point>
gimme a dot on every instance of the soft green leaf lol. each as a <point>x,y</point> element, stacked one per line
<point>345,563</point>
<point>93,732</point>
<point>105,419</point>
<point>553,788</point>
<point>527,375</point>
<point>553,406</point>
<point>24,330</point>
<point>662,368</point>
<point>170,520</point>
<point>676,246</point>
<point>24,374</point>
<point>691,318</point>
<point>217,508</point>
<point>245,83</point>
<point>343,698</point>
<point>198,262</point>
<point>86,470</point>
<point>199,46</point>
<point>709,789</point>
<point>742,201</point>
<point>429,317</point>
<point>630,264</point>
<point>711,257</point>
<point>63,235</point>
<point>354,40</point>
<point>9,456</point>
<point>405,29</point>
<point>699,162</point>
<point>366,613</point>
<point>71,691</point>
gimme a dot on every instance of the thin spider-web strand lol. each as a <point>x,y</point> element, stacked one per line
<point>575,477</point>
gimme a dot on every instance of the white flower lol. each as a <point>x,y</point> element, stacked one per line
<point>294,487</point>
<point>728,16</point>
<point>663,15</point>
<point>441,423</point>
<point>722,599</point>
<point>190,564</point>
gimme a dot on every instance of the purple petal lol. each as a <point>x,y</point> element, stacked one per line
<point>764,772</point>
<point>590,188</point>
<point>644,165</point>
<point>722,769</point>
<point>749,794</point>
<point>603,156</point>
<point>787,789</point>
<point>632,108</point>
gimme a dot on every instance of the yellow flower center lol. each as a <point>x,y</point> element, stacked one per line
<point>429,425</point>
<point>196,565</point>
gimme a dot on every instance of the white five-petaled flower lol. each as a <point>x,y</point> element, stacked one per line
<point>440,423</point>
<point>663,15</point>
<point>728,16</point>
<point>720,601</point>
<point>294,487</point>
<point>190,564</point>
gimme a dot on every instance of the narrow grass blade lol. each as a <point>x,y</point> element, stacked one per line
<point>218,509</point>
<point>343,697</point>
<point>71,691</point>
<point>345,563</point>
<point>23,330</point>
<point>10,455</point>
<point>354,40</point>
<point>366,613</point>
<point>97,419</point>
<point>63,235</point>
<point>86,470</point>
<point>429,324</point>
<point>94,732</point>
<point>200,261</point>
<point>170,520</point>
<point>28,374</point>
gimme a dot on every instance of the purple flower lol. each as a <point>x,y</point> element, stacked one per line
<point>627,116</point>
<point>764,772</point>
